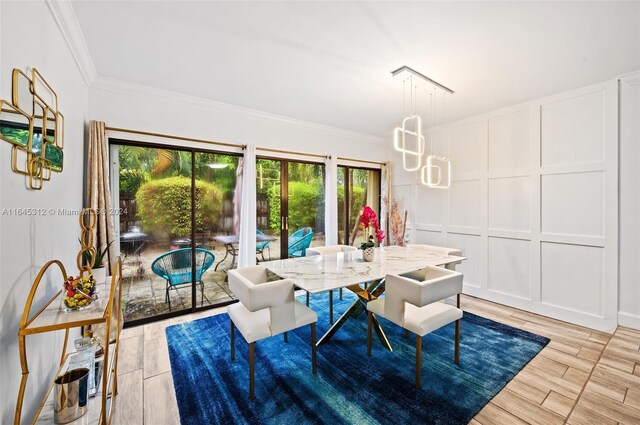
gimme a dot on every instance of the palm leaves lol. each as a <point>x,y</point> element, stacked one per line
<point>157,162</point>
<point>165,161</point>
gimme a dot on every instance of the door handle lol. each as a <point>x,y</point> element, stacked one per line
<point>286,223</point>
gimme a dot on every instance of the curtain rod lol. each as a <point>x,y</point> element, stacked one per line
<point>233,145</point>
<point>314,155</point>
<point>168,136</point>
<point>364,161</point>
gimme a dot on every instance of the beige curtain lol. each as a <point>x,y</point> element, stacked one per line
<point>98,194</point>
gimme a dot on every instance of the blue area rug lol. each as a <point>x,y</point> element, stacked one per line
<point>350,388</point>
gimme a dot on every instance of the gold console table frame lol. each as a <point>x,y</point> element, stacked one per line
<point>51,318</point>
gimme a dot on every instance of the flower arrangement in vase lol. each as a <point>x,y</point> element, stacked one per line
<point>369,222</point>
<point>79,292</point>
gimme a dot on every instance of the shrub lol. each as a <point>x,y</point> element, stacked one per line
<point>357,196</point>
<point>164,205</point>
<point>131,180</point>
<point>273,200</point>
<point>306,205</point>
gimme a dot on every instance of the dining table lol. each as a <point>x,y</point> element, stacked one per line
<point>231,243</point>
<point>322,273</point>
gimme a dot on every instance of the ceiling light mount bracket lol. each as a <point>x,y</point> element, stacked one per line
<point>412,71</point>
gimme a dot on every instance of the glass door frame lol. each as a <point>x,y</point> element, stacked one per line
<point>284,196</point>
<point>347,198</point>
<point>115,141</point>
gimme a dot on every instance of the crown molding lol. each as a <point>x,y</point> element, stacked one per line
<point>631,78</point>
<point>157,94</point>
<point>65,17</point>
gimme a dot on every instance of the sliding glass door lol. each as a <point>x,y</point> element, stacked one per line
<point>217,223</point>
<point>304,212</point>
<point>290,207</point>
<point>175,229</point>
<point>155,219</point>
<point>269,222</point>
<point>357,187</point>
<point>178,226</point>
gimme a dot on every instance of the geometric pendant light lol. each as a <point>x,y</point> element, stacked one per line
<point>409,140</point>
<point>437,172</point>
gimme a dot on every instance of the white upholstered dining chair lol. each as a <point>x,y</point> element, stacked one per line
<point>324,250</point>
<point>444,251</point>
<point>411,301</point>
<point>266,309</point>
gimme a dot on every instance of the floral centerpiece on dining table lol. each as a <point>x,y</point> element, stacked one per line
<point>371,227</point>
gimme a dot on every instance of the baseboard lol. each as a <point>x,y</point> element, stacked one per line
<point>607,325</point>
<point>629,320</point>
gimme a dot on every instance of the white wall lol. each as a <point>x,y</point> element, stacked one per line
<point>27,242</point>
<point>132,106</point>
<point>533,203</point>
<point>629,295</point>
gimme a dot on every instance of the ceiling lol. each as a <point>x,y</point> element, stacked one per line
<point>330,62</point>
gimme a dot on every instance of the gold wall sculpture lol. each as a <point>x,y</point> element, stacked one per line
<point>34,125</point>
<point>87,254</point>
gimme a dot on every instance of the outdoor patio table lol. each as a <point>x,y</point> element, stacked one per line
<point>320,273</point>
<point>230,243</point>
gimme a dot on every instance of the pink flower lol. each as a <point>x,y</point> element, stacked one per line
<point>368,217</point>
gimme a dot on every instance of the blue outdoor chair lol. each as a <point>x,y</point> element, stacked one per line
<point>175,267</point>
<point>261,246</point>
<point>299,241</point>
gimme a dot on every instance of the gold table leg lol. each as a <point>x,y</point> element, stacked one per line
<point>418,361</point>
<point>252,394</point>
<point>372,292</point>
<point>233,339</point>
<point>314,362</point>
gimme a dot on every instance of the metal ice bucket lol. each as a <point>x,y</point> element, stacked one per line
<point>71,391</point>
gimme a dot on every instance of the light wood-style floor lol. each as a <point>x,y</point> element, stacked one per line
<point>582,377</point>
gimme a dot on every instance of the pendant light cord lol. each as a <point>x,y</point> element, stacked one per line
<point>404,97</point>
<point>411,88</point>
<point>433,116</point>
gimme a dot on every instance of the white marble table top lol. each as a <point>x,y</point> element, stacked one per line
<point>321,273</point>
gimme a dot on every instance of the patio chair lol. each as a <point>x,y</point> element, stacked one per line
<point>175,267</point>
<point>261,246</point>
<point>299,241</point>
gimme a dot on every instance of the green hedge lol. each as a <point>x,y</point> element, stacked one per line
<point>131,180</point>
<point>164,205</point>
<point>306,205</point>
<point>357,196</point>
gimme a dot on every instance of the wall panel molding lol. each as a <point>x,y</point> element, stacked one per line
<point>630,79</point>
<point>629,201</point>
<point>568,206</point>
